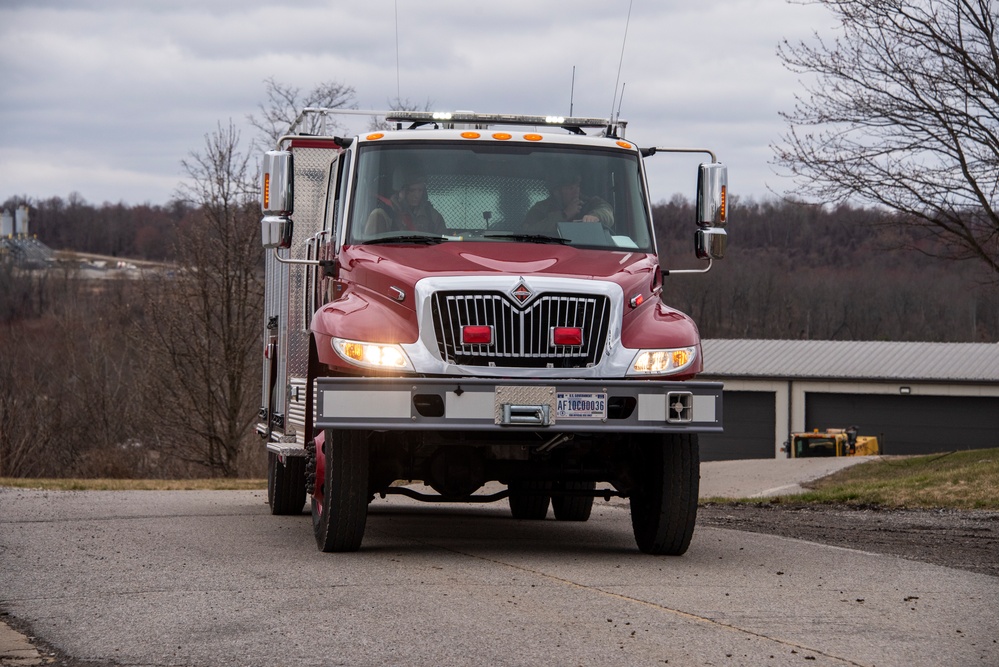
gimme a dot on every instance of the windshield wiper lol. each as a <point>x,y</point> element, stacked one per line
<point>528,238</point>
<point>408,238</point>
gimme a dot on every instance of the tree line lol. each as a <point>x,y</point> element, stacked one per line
<point>113,376</point>
<point>799,271</point>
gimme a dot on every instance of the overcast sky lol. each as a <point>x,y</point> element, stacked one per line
<point>106,97</point>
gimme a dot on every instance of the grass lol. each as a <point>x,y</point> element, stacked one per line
<point>957,480</point>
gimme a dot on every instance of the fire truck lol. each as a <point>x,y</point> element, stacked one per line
<point>468,308</point>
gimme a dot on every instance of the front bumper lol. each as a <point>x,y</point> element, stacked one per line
<point>492,404</point>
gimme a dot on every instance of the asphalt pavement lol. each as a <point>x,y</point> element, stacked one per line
<point>719,479</point>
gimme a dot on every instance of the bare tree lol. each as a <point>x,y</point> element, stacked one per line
<point>201,329</point>
<point>285,103</point>
<point>903,112</point>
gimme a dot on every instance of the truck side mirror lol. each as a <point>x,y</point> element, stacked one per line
<point>710,239</point>
<point>276,199</point>
<point>710,243</point>
<point>712,195</point>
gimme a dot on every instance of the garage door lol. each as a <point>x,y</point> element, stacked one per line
<point>910,424</point>
<point>749,428</point>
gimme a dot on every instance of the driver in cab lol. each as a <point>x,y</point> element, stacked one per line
<point>566,204</point>
<point>408,209</point>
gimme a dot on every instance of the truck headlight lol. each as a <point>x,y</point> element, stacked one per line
<point>662,362</point>
<point>372,355</point>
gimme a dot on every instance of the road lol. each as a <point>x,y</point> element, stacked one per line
<point>211,578</point>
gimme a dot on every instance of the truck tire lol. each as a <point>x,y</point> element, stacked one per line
<point>574,508</point>
<point>285,484</point>
<point>340,507</point>
<point>664,503</point>
<point>529,500</point>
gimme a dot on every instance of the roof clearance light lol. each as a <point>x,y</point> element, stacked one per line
<point>375,135</point>
<point>624,144</point>
<point>533,137</point>
<point>473,334</point>
<point>555,120</point>
<point>502,136</point>
<point>572,336</point>
<point>470,135</point>
<point>442,115</point>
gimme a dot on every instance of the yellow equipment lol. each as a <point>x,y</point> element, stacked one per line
<point>832,442</point>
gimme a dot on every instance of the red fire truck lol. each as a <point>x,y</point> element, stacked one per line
<point>467,308</point>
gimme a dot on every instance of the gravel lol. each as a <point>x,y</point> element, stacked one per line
<point>961,539</point>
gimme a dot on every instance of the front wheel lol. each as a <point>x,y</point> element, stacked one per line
<point>664,503</point>
<point>340,500</point>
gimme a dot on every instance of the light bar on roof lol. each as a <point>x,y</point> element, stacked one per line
<point>496,119</point>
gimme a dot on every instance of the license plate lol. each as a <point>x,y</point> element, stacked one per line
<point>581,405</point>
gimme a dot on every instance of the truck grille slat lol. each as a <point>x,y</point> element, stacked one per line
<point>521,336</point>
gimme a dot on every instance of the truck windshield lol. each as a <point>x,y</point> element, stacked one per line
<point>501,193</point>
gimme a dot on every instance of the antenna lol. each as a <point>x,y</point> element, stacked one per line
<point>398,87</point>
<point>621,61</point>
<point>620,101</point>
<point>572,89</point>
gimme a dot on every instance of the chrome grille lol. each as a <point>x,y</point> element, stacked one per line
<point>521,336</point>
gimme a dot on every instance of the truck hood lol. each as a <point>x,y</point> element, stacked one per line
<point>382,267</point>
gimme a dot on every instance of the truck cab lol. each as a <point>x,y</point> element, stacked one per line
<point>468,308</point>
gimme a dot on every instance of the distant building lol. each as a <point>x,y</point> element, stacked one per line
<point>16,240</point>
<point>918,397</point>
<point>6,224</point>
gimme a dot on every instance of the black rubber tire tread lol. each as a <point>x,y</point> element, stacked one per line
<point>285,484</point>
<point>664,506</point>
<point>340,525</point>
<point>574,508</point>
<point>529,500</point>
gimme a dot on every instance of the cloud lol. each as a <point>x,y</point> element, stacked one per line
<point>108,96</point>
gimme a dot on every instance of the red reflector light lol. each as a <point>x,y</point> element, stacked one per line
<point>474,334</point>
<point>567,336</point>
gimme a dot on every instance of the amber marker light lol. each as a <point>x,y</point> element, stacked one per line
<point>723,209</point>
<point>533,137</point>
<point>502,136</point>
<point>470,135</point>
<point>267,192</point>
<point>373,136</point>
<point>624,144</point>
<point>353,351</point>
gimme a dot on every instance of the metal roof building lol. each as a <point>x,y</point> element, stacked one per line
<point>918,397</point>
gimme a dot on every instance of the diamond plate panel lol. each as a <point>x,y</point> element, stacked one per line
<point>523,396</point>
